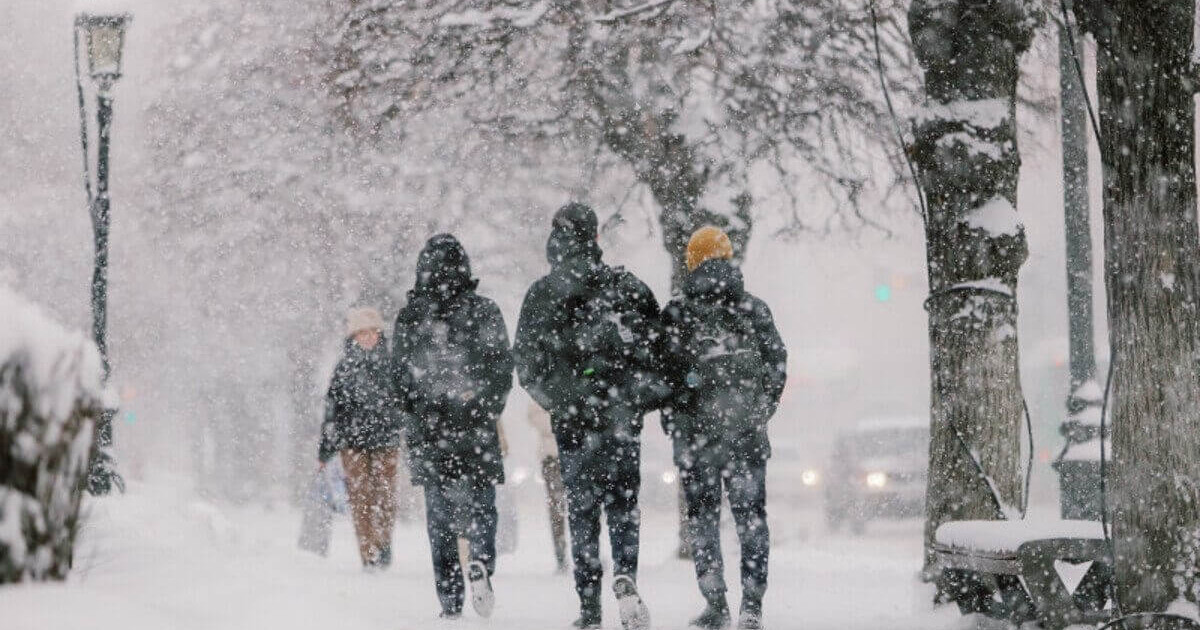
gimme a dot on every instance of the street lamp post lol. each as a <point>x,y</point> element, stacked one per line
<point>104,36</point>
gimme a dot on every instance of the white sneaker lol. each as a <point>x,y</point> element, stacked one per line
<point>483,599</point>
<point>634,614</point>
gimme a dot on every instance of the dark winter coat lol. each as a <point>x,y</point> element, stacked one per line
<point>361,410</point>
<point>556,364</point>
<point>452,369</point>
<point>715,289</point>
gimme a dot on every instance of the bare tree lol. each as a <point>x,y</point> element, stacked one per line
<point>693,97</point>
<point>1145,85</point>
<point>966,152</point>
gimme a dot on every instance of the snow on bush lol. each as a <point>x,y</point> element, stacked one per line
<point>51,389</point>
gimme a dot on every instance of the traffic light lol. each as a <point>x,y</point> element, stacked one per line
<point>883,292</point>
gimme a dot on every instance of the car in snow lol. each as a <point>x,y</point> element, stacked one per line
<point>877,470</point>
<point>793,479</point>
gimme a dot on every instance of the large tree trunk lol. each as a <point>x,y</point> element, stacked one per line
<point>966,150</point>
<point>1151,245</point>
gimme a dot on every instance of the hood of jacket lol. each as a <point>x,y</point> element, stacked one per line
<point>715,280</point>
<point>443,269</point>
<point>573,236</point>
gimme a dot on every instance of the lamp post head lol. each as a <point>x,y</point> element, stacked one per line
<point>105,38</point>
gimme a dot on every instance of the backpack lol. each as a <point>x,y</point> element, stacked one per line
<point>606,333</point>
<point>443,346</point>
<point>726,378</point>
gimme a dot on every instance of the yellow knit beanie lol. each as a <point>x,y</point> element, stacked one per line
<point>708,243</point>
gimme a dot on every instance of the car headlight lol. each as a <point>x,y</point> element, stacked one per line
<point>810,478</point>
<point>877,479</point>
<point>669,477</point>
<point>519,475</point>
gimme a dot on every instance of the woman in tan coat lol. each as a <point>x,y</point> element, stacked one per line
<point>362,423</point>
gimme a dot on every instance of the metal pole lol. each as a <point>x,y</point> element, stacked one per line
<point>83,132</point>
<point>100,219</point>
<point>1078,232</point>
<point>101,476</point>
<point>1079,478</point>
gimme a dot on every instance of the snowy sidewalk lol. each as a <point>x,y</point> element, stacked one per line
<point>154,559</point>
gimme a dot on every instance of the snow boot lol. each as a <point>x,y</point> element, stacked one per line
<point>483,599</point>
<point>751,616</point>
<point>589,616</point>
<point>715,615</point>
<point>634,614</point>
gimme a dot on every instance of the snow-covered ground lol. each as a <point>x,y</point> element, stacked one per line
<point>159,558</point>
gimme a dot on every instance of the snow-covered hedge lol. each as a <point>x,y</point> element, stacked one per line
<point>51,390</point>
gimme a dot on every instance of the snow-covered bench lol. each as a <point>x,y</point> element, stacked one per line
<point>1017,561</point>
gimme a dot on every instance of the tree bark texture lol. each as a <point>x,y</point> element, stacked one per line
<point>677,177</point>
<point>1147,116</point>
<point>966,151</point>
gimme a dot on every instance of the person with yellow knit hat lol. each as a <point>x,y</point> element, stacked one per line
<point>726,364</point>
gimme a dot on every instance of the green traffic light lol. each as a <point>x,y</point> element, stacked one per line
<point>883,293</point>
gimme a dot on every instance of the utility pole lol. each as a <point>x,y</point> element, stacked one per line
<point>1079,470</point>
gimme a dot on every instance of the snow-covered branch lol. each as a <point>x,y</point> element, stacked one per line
<point>618,15</point>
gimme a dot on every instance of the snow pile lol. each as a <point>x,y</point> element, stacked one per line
<point>51,387</point>
<point>997,218</point>
<point>1007,536</point>
<point>987,113</point>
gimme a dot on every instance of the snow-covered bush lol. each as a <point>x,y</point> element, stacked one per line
<point>51,386</point>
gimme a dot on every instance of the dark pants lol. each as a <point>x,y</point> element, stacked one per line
<point>454,510</point>
<point>745,481</point>
<point>603,472</point>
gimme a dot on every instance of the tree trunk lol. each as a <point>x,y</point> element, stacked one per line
<point>677,178</point>
<point>967,153</point>
<point>1151,245</point>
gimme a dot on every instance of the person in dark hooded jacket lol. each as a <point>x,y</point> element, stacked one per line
<point>362,421</point>
<point>585,351</point>
<point>453,370</point>
<point>726,364</point>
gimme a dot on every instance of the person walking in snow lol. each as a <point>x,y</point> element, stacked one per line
<point>585,351</point>
<point>556,496</point>
<point>362,421</point>
<point>726,364</point>
<point>453,370</point>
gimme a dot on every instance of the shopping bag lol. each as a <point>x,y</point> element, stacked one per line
<point>316,524</point>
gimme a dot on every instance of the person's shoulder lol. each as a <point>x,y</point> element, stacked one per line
<point>629,282</point>
<point>756,307</point>
<point>407,313</point>
<point>540,287</point>
<point>484,304</point>
<point>675,306</point>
